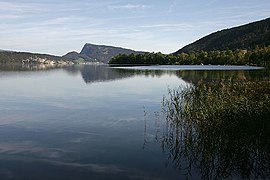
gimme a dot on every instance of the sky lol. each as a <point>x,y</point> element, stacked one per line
<point>60,26</point>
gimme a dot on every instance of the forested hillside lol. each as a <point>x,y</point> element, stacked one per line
<point>25,57</point>
<point>259,56</point>
<point>244,45</point>
<point>242,37</point>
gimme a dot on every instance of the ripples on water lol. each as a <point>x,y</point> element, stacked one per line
<point>90,122</point>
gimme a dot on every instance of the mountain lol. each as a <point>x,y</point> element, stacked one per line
<point>77,57</point>
<point>99,53</point>
<point>242,37</point>
<point>7,57</point>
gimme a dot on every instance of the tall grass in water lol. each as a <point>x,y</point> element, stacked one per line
<point>221,129</point>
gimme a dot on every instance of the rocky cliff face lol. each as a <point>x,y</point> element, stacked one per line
<point>77,57</point>
<point>98,53</point>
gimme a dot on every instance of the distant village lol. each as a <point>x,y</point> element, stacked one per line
<point>39,60</point>
<point>47,61</point>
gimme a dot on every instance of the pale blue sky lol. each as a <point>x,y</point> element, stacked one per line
<point>59,26</point>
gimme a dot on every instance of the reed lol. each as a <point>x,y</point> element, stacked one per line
<point>221,128</point>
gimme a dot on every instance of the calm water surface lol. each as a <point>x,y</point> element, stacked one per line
<point>88,122</point>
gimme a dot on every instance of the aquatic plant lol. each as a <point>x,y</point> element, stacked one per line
<point>220,128</point>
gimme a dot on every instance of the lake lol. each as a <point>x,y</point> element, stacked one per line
<point>93,121</point>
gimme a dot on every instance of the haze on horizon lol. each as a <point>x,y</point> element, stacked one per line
<point>57,27</point>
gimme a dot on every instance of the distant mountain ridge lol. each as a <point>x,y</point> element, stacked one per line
<point>98,53</point>
<point>77,57</point>
<point>9,57</point>
<point>242,37</point>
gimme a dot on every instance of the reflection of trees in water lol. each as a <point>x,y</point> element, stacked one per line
<point>219,130</point>
<point>25,69</point>
<point>98,73</point>
<point>29,67</point>
<point>216,75</point>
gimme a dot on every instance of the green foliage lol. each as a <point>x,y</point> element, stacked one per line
<point>243,37</point>
<point>9,57</point>
<point>143,59</point>
<point>79,60</point>
<point>259,56</point>
<point>244,45</point>
<point>222,128</point>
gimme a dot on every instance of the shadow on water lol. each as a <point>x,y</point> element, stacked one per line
<point>218,130</point>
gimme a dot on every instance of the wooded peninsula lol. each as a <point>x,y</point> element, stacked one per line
<point>260,56</point>
<point>248,44</point>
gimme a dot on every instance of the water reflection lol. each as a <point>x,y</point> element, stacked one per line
<point>29,67</point>
<point>11,70</point>
<point>102,73</point>
<point>208,76</point>
<point>54,126</point>
<point>218,131</point>
<point>98,73</point>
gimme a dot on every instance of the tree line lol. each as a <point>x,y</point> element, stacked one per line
<point>9,57</point>
<point>247,36</point>
<point>259,56</point>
